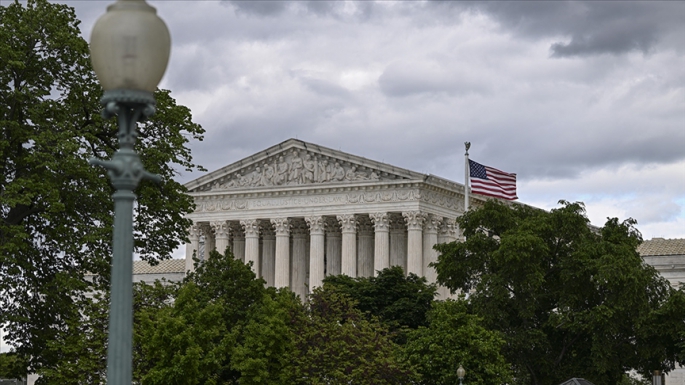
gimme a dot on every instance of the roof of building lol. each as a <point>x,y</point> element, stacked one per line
<point>163,267</point>
<point>662,246</point>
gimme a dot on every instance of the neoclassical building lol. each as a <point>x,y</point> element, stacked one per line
<point>299,212</point>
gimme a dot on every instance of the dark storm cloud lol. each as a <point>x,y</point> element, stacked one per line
<point>593,27</point>
<point>583,27</point>
<point>260,8</point>
<point>270,8</point>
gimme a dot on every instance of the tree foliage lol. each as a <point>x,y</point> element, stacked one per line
<point>191,341</point>
<point>56,211</point>
<point>12,366</point>
<point>570,300</point>
<point>400,302</point>
<point>224,327</point>
<point>454,337</point>
<point>263,354</point>
<point>78,354</point>
<point>336,344</point>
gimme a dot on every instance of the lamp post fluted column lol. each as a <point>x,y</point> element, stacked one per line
<point>125,170</point>
<point>129,50</point>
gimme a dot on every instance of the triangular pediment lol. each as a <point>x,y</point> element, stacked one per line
<point>298,163</point>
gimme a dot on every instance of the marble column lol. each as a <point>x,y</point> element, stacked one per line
<point>381,253</point>
<point>282,259</point>
<point>348,265</point>
<point>251,228</point>
<point>446,234</point>
<point>398,242</point>
<point>298,281</point>
<point>221,233</point>
<point>414,220</point>
<point>268,254</point>
<point>430,239</point>
<point>316,251</point>
<point>192,247</point>
<point>209,240</point>
<point>365,246</point>
<point>238,242</point>
<point>333,246</point>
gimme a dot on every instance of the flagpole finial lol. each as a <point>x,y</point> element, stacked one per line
<point>467,145</point>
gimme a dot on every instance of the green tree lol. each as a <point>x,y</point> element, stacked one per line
<point>81,349</point>
<point>149,300</point>
<point>570,300</point>
<point>12,366</point>
<point>192,341</point>
<point>399,301</point>
<point>268,339</point>
<point>57,211</point>
<point>336,344</point>
<point>454,337</point>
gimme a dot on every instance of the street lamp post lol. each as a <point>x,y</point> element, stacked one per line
<point>129,49</point>
<point>461,373</point>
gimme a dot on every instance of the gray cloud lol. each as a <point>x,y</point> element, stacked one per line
<point>405,78</point>
<point>260,8</point>
<point>593,27</point>
<point>324,8</point>
<point>583,27</point>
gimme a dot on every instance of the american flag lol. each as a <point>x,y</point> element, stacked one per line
<point>492,182</point>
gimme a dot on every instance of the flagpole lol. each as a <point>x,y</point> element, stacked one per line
<point>466,176</point>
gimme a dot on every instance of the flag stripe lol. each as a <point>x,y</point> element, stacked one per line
<point>492,182</point>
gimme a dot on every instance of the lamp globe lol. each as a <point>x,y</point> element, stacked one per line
<point>130,47</point>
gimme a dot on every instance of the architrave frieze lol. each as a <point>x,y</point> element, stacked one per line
<point>246,202</point>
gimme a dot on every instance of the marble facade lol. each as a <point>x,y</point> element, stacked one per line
<point>300,212</point>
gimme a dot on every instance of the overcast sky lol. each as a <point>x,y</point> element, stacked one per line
<point>585,101</point>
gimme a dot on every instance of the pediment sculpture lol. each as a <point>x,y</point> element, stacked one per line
<point>296,168</point>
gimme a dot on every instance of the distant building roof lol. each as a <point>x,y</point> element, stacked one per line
<point>164,267</point>
<point>576,381</point>
<point>661,246</point>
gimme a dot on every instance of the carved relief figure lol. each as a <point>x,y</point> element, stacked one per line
<point>351,173</point>
<point>338,172</point>
<point>281,171</point>
<point>309,169</point>
<point>269,172</point>
<point>296,166</point>
<point>256,177</point>
<point>244,181</point>
<point>323,172</point>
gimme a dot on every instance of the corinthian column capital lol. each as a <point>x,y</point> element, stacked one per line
<point>381,222</point>
<point>281,226</point>
<point>448,229</point>
<point>316,224</point>
<point>414,219</point>
<point>432,223</point>
<point>220,229</point>
<point>348,223</point>
<point>251,227</point>
<point>194,232</point>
